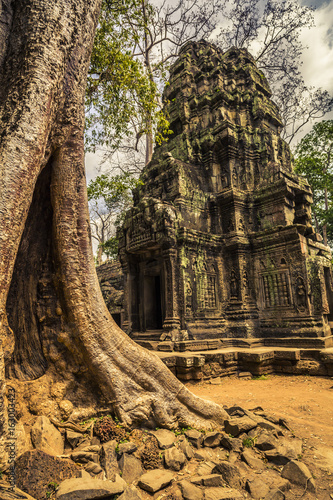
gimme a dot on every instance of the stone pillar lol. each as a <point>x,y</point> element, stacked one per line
<point>171,325</point>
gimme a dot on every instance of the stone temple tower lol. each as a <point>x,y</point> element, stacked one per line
<point>219,243</point>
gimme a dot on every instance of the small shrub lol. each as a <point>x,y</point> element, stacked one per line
<point>249,442</point>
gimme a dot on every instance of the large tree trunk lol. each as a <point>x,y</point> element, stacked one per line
<point>49,293</point>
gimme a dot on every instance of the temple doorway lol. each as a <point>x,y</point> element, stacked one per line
<point>153,303</point>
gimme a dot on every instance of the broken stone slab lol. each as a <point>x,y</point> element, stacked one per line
<point>131,468</point>
<point>230,443</point>
<point>165,438</point>
<point>206,468</point>
<point>46,437</point>
<point>251,460</point>
<point>185,447</point>
<point>284,452</point>
<point>275,494</point>
<point>257,488</point>
<point>73,438</point>
<point>190,491</point>
<point>274,480</point>
<point>89,489</point>
<point>174,458</point>
<point>223,494</point>
<point>84,457</point>
<point>298,473</point>
<point>131,493</point>
<point>127,448</point>
<point>155,480</point>
<point>229,473</point>
<point>236,411</point>
<point>236,426</point>
<point>210,480</point>
<point>195,437</point>
<point>94,469</point>
<point>108,459</point>
<point>266,442</point>
<point>212,439</point>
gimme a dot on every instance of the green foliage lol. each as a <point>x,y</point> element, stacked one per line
<point>249,442</point>
<point>314,159</point>
<point>109,198</point>
<point>52,486</point>
<point>261,377</point>
<point>122,98</point>
<point>110,247</point>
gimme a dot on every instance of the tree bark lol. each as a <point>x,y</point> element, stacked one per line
<point>52,314</point>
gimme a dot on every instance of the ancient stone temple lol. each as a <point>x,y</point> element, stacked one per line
<point>219,243</point>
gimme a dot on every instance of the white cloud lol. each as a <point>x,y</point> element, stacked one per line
<point>318,58</point>
<point>92,161</point>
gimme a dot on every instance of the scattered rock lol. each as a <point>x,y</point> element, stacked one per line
<point>84,457</point>
<point>189,491</point>
<point>235,426</point>
<point>274,480</point>
<point>298,473</point>
<point>127,448</point>
<point>108,459</point>
<point>206,468</point>
<point>21,439</point>
<point>131,468</point>
<point>275,495</point>
<point>284,452</point>
<point>230,443</point>
<point>185,447</point>
<point>131,493</point>
<point>164,438</point>
<point>83,445</point>
<point>46,437</point>
<point>266,442</point>
<point>155,480</point>
<point>256,488</point>
<point>174,458</point>
<point>222,494</point>
<point>195,437</point>
<point>89,489</point>
<point>74,438</point>
<point>210,480</point>
<point>251,460</point>
<point>34,469</point>
<point>94,469</point>
<point>212,439</point>
<point>229,473</point>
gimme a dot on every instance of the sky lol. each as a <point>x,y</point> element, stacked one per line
<point>317,68</point>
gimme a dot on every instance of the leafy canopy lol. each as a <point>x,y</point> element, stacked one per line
<point>314,159</point>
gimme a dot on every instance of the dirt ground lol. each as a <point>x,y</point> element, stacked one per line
<point>306,402</point>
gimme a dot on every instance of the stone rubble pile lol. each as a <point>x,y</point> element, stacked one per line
<point>255,456</point>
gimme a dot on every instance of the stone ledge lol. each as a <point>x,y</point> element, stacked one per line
<point>258,361</point>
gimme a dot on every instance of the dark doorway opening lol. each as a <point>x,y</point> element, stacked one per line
<point>153,302</point>
<point>116,317</point>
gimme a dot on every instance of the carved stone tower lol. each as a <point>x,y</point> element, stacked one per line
<point>219,242</point>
